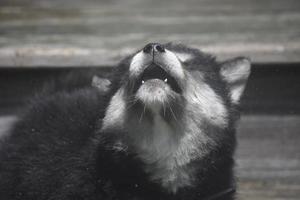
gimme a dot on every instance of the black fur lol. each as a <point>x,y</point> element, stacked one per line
<point>55,151</point>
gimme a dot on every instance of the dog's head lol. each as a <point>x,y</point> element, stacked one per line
<point>168,78</point>
<point>174,104</point>
<point>156,76</point>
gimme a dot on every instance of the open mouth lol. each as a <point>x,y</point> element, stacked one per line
<point>154,71</point>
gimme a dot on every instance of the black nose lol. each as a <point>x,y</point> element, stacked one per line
<point>154,47</point>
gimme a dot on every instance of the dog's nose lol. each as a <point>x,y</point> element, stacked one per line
<point>154,47</point>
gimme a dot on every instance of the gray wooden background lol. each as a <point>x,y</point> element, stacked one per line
<point>99,32</point>
<point>78,33</point>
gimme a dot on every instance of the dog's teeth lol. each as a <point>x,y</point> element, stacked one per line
<point>166,80</point>
<point>143,81</point>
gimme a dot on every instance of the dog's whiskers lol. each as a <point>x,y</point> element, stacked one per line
<point>164,108</point>
<point>172,112</point>
<point>143,112</point>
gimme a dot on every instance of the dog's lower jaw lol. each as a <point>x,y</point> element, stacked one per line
<point>154,94</point>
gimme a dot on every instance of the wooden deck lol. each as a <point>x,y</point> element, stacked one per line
<point>90,32</point>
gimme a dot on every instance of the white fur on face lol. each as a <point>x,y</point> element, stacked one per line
<point>154,92</point>
<point>201,96</point>
<point>115,112</point>
<point>139,62</point>
<point>183,57</point>
<point>167,60</point>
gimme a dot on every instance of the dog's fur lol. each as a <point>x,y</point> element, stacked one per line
<point>140,138</point>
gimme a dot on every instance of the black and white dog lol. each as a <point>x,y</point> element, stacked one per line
<point>164,129</point>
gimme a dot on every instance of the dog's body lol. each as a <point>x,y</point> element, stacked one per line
<point>165,129</point>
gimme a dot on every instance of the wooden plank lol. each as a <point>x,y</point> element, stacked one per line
<point>268,157</point>
<point>85,33</point>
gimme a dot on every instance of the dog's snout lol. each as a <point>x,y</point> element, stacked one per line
<point>154,47</point>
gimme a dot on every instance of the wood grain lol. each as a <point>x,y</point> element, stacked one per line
<point>85,33</point>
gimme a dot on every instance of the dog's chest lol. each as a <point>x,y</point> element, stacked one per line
<point>161,151</point>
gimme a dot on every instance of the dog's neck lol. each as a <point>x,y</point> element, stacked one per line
<point>156,140</point>
<point>161,147</point>
<point>164,141</point>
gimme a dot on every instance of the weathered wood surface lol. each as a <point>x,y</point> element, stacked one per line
<point>90,32</point>
<point>268,156</point>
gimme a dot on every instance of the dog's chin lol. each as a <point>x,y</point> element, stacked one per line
<point>154,93</point>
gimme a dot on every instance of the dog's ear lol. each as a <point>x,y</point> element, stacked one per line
<point>236,72</point>
<point>101,83</point>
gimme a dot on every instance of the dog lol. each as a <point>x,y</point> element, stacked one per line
<point>162,127</point>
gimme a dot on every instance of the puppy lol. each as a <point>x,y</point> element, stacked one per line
<point>162,128</point>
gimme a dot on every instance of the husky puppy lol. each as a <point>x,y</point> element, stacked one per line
<point>163,129</point>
